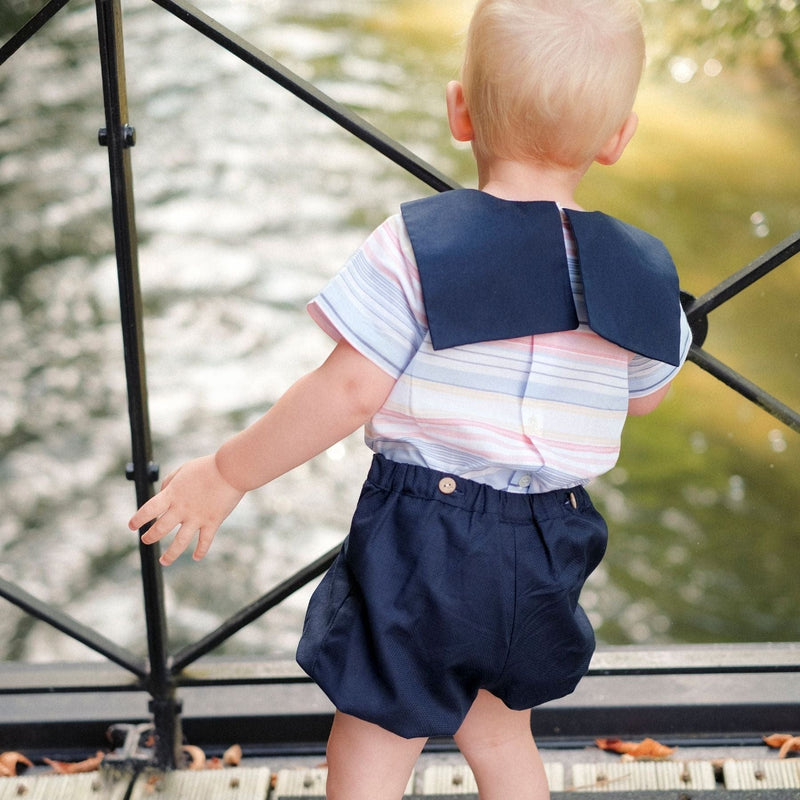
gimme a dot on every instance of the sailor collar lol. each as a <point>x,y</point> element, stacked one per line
<point>495,269</point>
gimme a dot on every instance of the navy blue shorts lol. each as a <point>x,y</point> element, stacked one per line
<point>445,586</point>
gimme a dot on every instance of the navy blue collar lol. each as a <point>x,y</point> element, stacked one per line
<point>497,269</point>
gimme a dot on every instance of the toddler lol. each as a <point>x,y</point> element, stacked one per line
<point>492,342</point>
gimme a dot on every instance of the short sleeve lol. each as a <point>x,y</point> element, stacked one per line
<point>375,303</point>
<point>646,376</point>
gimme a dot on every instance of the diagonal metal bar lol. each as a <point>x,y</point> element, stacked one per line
<point>30,28</point>
<point>746,388</point>
<point>308,93</point>
<point>77,630</point>
<point>249,613</point>
<point>746,276</point>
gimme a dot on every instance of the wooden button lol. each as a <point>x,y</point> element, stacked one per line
<point>447,486</point>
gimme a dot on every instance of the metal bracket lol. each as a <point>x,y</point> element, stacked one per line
<point>128,136</point>
<point>697,322</point>
<point>152,472</point>
<point>132,747</point>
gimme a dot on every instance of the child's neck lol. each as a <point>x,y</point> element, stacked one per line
<point>530,180</point>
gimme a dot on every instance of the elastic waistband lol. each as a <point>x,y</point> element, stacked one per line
<point>471,495</point>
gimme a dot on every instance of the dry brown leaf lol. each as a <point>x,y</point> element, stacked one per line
<point>791,745</point>
<point>786,742</point>
<point>232,757</point>
<point>72,767</point>
<point>197,758</point>
<point>10,761</point>
<point>777,739</point>
<point>647,748</point>
<point>153,784</point>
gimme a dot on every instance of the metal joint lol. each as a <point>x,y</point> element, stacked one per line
<point>698,323</point>
<point>167,734</point>
<point>128,136</point>
<point>152,472</point>
<point>132,747</point>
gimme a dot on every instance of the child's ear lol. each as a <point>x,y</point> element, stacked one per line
<point>457,113</point>
<point>615,146</point>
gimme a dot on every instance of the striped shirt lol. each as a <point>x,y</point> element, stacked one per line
<point>530,414</point>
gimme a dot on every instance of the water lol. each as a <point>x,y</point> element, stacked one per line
<point>246,203</point>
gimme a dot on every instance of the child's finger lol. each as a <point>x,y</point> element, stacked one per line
<point>169,478</point>
<point>181,541</point>
<point>204,539</point>
<point>153,508</point>
<point>166,523</point>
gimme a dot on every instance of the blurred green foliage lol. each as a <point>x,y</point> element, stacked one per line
<point>758,34</point>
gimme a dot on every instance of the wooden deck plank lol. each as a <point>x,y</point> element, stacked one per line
<point>240,783</point>
<point>445,779</point>
<point>309,783</point>
<point>767,774</point>
<point>87,786</point>
<point>619,776</point>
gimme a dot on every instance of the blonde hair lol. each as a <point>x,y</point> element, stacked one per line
<point>551,80</point>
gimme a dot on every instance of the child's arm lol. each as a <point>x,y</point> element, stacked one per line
<point>323,407</point>
<point>639,406</point>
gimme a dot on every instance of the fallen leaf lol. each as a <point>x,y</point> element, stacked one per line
<point>777,739</point>
<point>197,758</point>
<point>786,742</point>
<point>153,784</point>
<point>232,756</point>
<point>72,767</point>
<point>10,761</point>
<point>647,748</point>
<point>789,746</point>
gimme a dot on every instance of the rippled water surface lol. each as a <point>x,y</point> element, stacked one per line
<point>246,203</point>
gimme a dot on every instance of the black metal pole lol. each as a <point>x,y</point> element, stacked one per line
<point>76,630</point>
<point>747,276</point>
<point>755,394</point>
<point>252,612</point>
<point>308,93</point>
<point>30,29</point>
<point>119,137</point>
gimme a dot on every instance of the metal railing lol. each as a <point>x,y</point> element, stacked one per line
<point>160,673</point>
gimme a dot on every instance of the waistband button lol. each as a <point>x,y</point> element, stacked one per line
<point>573,501</point>
<point>447,486</point>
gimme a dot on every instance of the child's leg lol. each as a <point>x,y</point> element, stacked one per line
<point>367,762</point>
<point>499,748</point>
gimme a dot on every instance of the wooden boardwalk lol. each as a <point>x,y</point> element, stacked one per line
<point>684,779</point>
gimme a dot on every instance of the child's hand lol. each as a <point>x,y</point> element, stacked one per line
<point>195,498</point>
